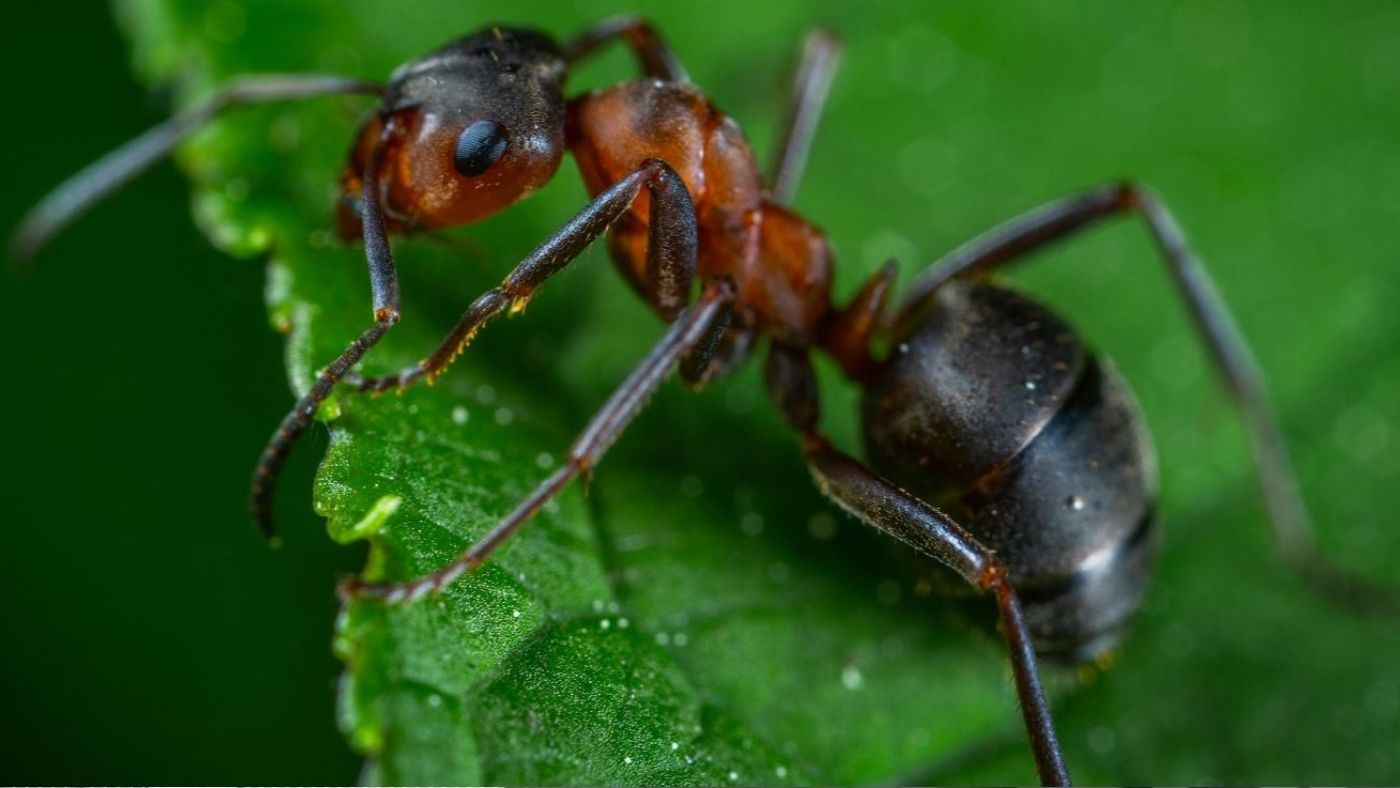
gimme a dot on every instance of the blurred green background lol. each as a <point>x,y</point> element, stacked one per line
<point>149,637</point>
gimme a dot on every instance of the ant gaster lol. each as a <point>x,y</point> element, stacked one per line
<point>988,405</point>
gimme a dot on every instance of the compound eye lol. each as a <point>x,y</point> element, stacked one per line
<point>480,145</point>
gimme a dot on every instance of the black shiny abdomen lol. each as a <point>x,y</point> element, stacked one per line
<point>992,409</point>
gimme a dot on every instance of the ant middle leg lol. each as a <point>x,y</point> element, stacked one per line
<point>89,186</point>
<point>671,250</point>
<point>690,339</point>
<point>821,54</point>
<point>1009,242</point>
<point>877,502</point>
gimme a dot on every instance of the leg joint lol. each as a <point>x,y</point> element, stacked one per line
<point>993,577</point>
<point>1132,196</point>
<point>656,172</point>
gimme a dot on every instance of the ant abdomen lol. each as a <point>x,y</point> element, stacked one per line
<point>992,408</point>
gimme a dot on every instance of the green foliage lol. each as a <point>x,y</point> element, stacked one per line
<point>701,615</point>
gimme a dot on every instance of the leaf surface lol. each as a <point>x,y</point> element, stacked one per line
<point>702,616</point>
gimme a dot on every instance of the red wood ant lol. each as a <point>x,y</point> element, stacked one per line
<point>989,405</point>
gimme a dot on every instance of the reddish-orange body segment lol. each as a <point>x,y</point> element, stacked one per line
<point>780,263</point>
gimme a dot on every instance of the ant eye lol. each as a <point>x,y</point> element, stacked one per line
<point>480,145</point>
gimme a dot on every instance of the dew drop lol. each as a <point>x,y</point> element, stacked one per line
<point>459,415</point>
<point>851,678</point>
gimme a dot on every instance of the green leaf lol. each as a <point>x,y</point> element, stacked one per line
<point>701,615</point>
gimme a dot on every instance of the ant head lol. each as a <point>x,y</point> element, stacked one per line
<point>476,126</point>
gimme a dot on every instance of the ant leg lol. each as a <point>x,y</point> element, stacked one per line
<point>875,501</point>
<point>671,245</point>
<point>694,329</point>
<point>384,286</point>
<point>846,334</point>
<point>75,196</point>
<point>729,350</point>
<point>654,55</point>
<point>1293,533</point>
<point>821,53</point>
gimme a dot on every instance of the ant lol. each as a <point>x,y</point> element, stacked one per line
<point>988,406</point>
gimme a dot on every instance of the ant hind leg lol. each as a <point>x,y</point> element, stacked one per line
<point>879,503</point>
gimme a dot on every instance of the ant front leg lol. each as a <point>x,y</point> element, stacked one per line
<point>384,286</point>
<point>671,249</point>
<point>694,333</point>
<point>1293,532</point>
<point>877,502</point>
<point>75,196</point>
<point>821,54</point>
<point>654,55</point>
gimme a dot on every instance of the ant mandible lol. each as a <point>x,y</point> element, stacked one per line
<point>989,403</point>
